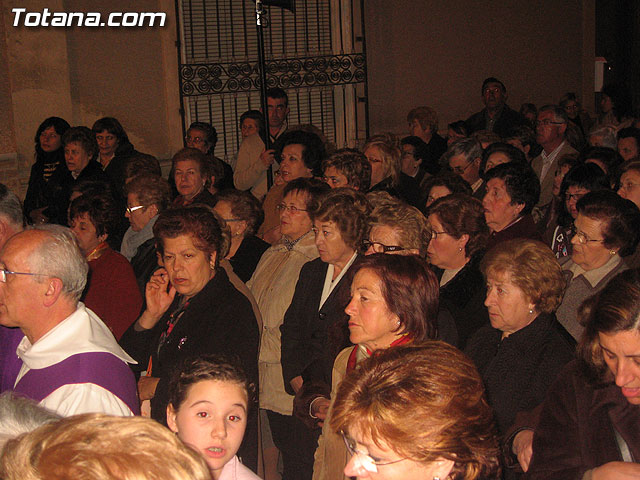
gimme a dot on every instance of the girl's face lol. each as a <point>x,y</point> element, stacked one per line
<point>212,420</point>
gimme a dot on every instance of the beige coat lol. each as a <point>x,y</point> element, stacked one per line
<point>331,455</point>
<point>273,284</point>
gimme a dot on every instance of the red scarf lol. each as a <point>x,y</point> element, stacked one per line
<point>353,356</point>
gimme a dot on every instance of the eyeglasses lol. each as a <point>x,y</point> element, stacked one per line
<point>582,237</point>
<point>460,170</point>
<point>628,186</point>
<point>381,247</point>
<point>435,233</point>
<point>291,208</point>
<point>4,272</point>
<point>368,462</point>
<point>546,123</point>
<point>130,210</point>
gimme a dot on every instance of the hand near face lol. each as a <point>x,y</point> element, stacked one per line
<point>320,408</point>
<point>159,294</point>
<point>268,157</point>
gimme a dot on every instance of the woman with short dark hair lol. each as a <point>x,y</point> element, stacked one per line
<point>114,149</point>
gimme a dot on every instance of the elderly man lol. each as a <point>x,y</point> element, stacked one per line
<point>550,135</point>
<point>71,362</point>
<point>463,158</point>
<point>253,160</point>
<point>11,222</point>
<point>496,116</point>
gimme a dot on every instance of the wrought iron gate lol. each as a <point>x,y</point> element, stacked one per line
<point>317,55</point>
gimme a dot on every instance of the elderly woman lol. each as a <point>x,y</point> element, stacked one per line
<point>512,192</point>
<point>499,153</point>
<point>629,188</point>
<point>524,348</point>
<point>49,159</point>
<point>589,424</point>
<point>203,136</point>
<point>314,330</point>
<point>112,292</point>
<point>147,197</point>
<point>580,180</point>
<point>191,309</point>
<point>347,168</point>
<point>458,237</point>
<point>383,153</point>
<point>606,229</point>
<point>301,154</point>
<point>273,284</point>
<point>394,301</point>
<point>191,176</point>
<point>80,149</point>
<point>114,148</point>
<point>243,214</point>
<point>524,139</point>
<point>403,415</point>
<point>445,184</point>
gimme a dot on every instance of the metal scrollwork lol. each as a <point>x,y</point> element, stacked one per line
<point>213,78</point>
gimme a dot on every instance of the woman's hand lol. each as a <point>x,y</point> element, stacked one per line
<point>268,157</point>
<point>147,387</point>
<point>320,408</point>
<point>617,471</point>
<point>523,448</point>
<point>296,383</point>
<point>159,294</point>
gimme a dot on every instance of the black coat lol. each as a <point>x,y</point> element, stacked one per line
<point>42,193</point>
<point>518,370</point>
<point>463,296</point>
<point>312,338</point>
<point>506,121</point>
<point>218,320</point>
<point>144,263</point>
<point>246,259</point>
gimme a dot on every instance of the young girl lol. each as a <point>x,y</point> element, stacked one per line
<point>208,409</point>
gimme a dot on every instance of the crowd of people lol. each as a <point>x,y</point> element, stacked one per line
<point>461,307</point>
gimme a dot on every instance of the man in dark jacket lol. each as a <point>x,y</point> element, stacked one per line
<point>497,116</point>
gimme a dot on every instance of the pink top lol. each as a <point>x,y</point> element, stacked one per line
<point>234,470</point>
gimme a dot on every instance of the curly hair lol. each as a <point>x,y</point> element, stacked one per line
<point>353,165</point>
<point>313,151</point>
<point>210,134</point>
<point>101,209</point>
<point>197,221</point>
<point>244,206</point>
<point>389,148</point>
<point>620,219</point>
<point>460,215</point>
<point>533,268</point>
<point>411,225</point>
<point>349,210</point>
<point>150,190</point>
<point>426,402</point>
<point>83,137</point>
<point>521,182</point>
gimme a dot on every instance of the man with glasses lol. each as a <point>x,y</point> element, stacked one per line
<point>550,135</point>
<point>496,116</point>
<point>71,363</point>
<point>463,158</point>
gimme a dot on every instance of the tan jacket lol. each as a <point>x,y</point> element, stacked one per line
<point>331,455</point>
<point>250,172</point>
<point>273,284</point>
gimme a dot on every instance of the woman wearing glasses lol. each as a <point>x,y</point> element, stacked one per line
<point>394,302</point>
<point>458,238</point>
<point>605,230</point>
<point>403,415</point>
<point>147,197</point>
<point>273,284</point>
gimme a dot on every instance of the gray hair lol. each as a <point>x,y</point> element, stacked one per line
<point>20,415</point>
<point>469,147</point>
<point>59,256</point>
<point>608,134</point>
<point>558,112</point>
<point>10,207</point>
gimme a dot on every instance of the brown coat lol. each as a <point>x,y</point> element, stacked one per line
<point>576,428</point>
